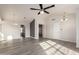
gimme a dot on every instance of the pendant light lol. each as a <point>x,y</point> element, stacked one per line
<point>64,18</point>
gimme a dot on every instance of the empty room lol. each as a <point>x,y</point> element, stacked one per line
<point>39,29</point>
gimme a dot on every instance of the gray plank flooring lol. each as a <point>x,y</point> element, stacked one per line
<point>31,46</point>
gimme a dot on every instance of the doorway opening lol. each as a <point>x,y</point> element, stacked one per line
<point>22,31</point>
<point>40,31</point>
<point>32,29</point>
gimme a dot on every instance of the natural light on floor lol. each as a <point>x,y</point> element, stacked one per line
<point>9,37</point>
<point>44,45</point>
<point>52,48</point>
<point>2,36</point>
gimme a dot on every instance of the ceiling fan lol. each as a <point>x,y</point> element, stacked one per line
<point>43,10</point>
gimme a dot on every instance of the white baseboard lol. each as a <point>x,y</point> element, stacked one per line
<point>63,40</point>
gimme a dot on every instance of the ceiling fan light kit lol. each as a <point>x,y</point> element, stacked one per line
<point>43,10</point>
<point>64,17</point>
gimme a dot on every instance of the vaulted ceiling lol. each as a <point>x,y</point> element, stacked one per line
<point>22,12</point>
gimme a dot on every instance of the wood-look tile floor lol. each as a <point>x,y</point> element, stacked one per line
<point>37,47</point>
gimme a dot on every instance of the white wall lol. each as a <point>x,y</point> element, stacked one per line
<point>65,31</point>
<point>40,20</point>
<point>9,30</point>
<point>27,30</point>
<point>0,32</point>
<point>77,29</point>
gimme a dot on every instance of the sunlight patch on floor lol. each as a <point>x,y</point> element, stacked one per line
<point>57,46</point>
<point>52,48</point>
<point>9,37</point>
<point>1,36</point>
<point>44,45</point>
<point>51,51</point>
<point>51,42</point>
<point>67,51</point>
<point>58,53</point>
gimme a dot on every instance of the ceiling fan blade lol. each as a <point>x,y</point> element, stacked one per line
<point>46,12</point>
<point>49,7</point>
<point>41,6</point>
<point>34,9</point>
<point>38,13</point>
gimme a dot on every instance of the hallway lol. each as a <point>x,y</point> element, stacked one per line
<point>37,47</point>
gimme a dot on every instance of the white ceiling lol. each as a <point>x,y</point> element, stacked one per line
<point>17,12</point>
